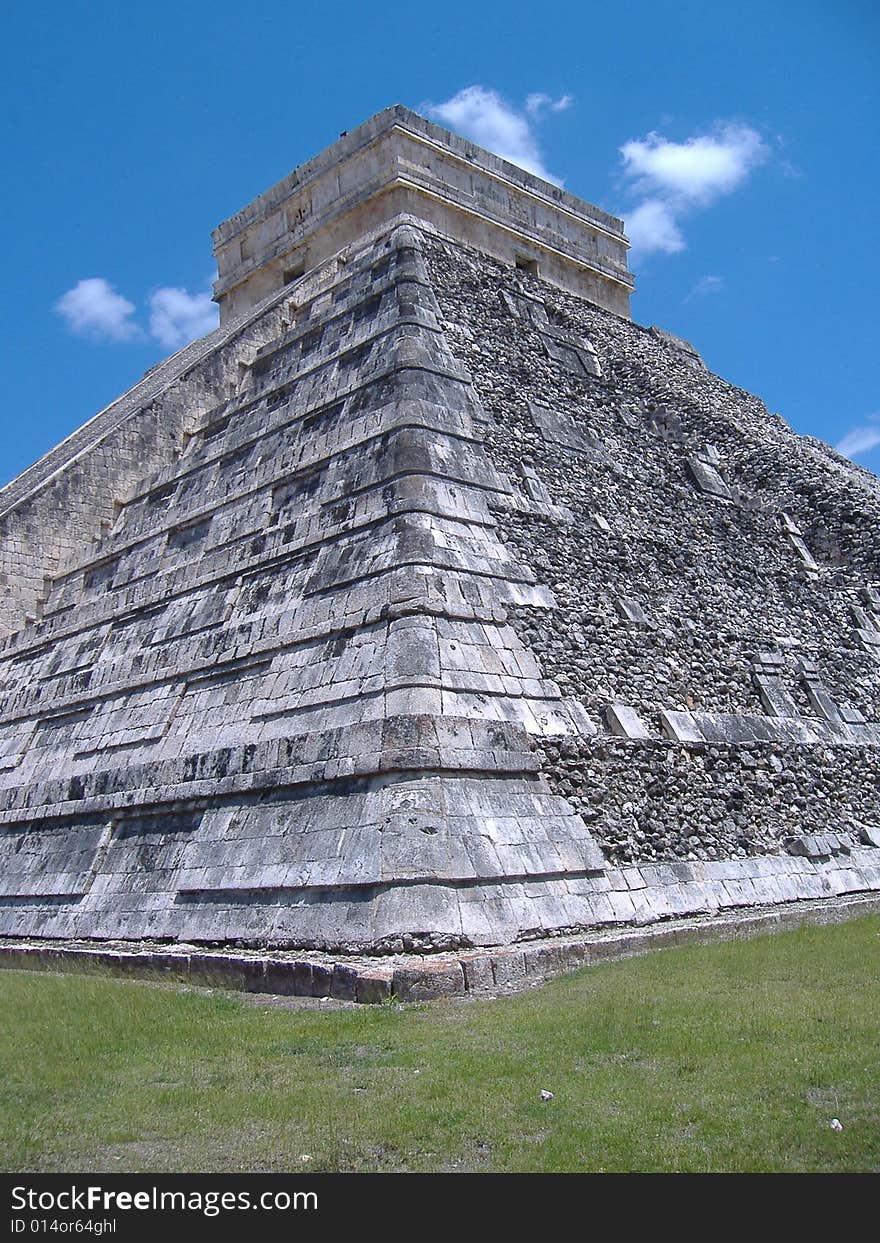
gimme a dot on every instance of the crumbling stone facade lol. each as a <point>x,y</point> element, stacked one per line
<point>675,521</point>
<point>428,604</point>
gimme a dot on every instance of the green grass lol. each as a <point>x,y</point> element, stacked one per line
<point>728,1057</point>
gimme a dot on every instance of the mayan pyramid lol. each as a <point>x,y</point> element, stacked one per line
<point>430,601</point>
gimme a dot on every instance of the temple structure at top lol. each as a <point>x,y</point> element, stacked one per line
<point>397,163</point>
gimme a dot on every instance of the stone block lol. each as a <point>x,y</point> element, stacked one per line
<point>319,979</point>
<point>429,980</point>
<point>478,974</point>
<point>343,982</point>
<point>373,985</point>
<point>707,478</point>
<point>869,835</point>
<point>680,727</point>
<point>625,722</point>
<point>509,969</point>
<point>280,977</point>
<point>542,961</point>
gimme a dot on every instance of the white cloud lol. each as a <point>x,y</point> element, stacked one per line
<point>651,226</point>
<point>698,170</point>
<point>178,317</point>
<point>861,439</point>
<point>93,308</point>
<point>674,178</point>
<point>704,286</point>
<point>537,102</point>
<point>482,115</point>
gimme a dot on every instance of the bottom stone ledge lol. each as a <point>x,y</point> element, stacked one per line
<point>490,972</point>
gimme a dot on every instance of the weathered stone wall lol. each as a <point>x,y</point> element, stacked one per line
<point>70,499</point>
<point>456,580</point>
<point>685,533</point>
<point>282,700</point>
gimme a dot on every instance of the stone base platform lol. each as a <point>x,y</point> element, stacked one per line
<point>407,978</point>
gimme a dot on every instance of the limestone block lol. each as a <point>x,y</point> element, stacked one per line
<point>373,985</point>
<point>509,969</point>
<point>869,834</point>
<point>478,973</point>
<point>625,722</point>
<point>343,982</point>
<point>708,480</point>
<point>680,726</point>
<point>429,980</point>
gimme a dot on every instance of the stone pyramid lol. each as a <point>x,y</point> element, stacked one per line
<point>429,602</point>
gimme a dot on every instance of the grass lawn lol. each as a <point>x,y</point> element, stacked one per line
<point>728,1057</point>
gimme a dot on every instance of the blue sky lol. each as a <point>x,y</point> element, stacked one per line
<point>739,142</point>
